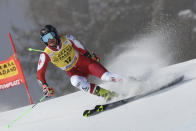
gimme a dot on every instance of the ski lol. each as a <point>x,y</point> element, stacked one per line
<point>104,107</point>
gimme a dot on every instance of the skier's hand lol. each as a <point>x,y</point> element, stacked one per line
<point>48,91</point>
<point>95,57</point>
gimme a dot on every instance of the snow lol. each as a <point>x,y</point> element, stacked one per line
<point>171,110</point>
<point>187,14</point>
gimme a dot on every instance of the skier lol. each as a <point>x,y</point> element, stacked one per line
<point>69,54</point>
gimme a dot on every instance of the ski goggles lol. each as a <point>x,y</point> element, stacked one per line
<point>48,36</point>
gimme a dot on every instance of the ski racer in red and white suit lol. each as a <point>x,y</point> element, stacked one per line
<point>69,54</point>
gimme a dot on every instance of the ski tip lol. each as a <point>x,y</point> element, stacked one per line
<point>86,113</point>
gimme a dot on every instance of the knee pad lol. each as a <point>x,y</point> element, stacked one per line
<point>80,82</point>
<point>107,76</point>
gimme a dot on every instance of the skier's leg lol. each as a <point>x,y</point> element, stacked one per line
<point>108,76</point>
<point>99,71</point>
<point>81,83</point>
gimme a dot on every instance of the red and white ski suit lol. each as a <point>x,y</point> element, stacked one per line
<point>78,71</point>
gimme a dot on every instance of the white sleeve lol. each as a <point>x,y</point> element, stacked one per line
<point>76,42</point>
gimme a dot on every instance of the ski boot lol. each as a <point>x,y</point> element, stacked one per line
<point>108,95</point>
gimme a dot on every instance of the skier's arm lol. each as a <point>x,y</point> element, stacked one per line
<point>79,47</point>
<point>41,69</point>
<point>76,44</point>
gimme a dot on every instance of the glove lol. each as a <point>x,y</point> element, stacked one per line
<point>48,91</point>
<point>93,56</point>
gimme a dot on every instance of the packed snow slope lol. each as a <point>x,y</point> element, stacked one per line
<point>171,110</point>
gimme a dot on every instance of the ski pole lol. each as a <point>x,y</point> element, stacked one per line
<point>28,110</point>
<point>31,49</point>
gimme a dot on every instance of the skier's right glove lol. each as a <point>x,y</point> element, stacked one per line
<point>48,91</point>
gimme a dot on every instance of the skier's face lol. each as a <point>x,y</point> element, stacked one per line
<point>50,39</point>
<point>52,42</point>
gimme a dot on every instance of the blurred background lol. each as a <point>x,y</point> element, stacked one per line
<point>104,27</point>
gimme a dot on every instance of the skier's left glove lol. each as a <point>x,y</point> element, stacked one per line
<point>93,56</point>
<point>48,91</point>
